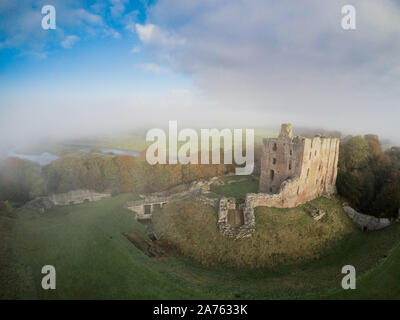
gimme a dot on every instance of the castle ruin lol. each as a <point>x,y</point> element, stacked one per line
<point>296,169</point>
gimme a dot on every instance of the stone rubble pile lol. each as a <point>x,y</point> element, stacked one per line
<point>243,231</point>
<point>315,212</point>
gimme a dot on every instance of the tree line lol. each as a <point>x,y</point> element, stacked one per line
<point>22,180</point>
<point>368,177</point>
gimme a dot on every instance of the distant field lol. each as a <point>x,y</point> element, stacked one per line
<point>135,141</point>
<point>95,261</point>
<point>83,147</point>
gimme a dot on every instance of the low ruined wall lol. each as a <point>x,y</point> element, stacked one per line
<point>287,197</point>
<point>366,222</point>
<point>77,196</point>
<point>207,201</point>
<point>243,231</point>
<point>155,199</point>
<point>195,191</point>
<point>61,199</point>
<point>40,204</point>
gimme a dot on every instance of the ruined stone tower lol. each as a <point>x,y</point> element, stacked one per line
<point>297,169</point>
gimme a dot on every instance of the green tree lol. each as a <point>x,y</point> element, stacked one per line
<point>20,180</point>
<point>368,177</point>
<point>5,209</point>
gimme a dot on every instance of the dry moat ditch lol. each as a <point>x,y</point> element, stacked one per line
<point>149,243</point>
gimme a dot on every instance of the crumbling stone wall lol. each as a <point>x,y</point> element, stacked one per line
<point>77,196</point>
<point>295,170</point>
<point>151,201</point>
<point>243,231</point>
<point>43,204</point>
<point>40,204</point>
<point>366,222</point>
<point>213,202</point>
<point>195,191</point>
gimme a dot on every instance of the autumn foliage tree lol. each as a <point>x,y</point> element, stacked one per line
<point>369,177</point>
<point>20,180</point>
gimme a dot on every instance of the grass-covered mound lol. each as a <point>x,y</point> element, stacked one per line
<point>95,260</point>
<point>282,236</point>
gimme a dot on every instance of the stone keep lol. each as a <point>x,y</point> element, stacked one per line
<point>297,169</point>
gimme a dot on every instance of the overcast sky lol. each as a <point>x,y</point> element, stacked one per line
<point>116,65</point>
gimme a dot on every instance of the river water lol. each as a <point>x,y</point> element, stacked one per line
<point>117,151</point>
<point>43,159</point>
<point>46,157</point>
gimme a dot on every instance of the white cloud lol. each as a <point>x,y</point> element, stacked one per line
<point>20,25</point>
<point>69,41</point>
<point>180,94</point>
<point>117,7</point>
<point>252,62</point>
<point>21,30</point>
<point>153,35</point>
<point>129,20</point>
<point>130,26</point>
<point>113,33</point>
<point>135,49</point>
<point>84,16</point>
<point>152,68</point>
<point>290,61</point>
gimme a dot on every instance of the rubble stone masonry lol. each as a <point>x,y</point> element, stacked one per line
<point>295,169</point>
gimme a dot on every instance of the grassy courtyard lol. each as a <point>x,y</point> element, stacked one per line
<point>235,186</point>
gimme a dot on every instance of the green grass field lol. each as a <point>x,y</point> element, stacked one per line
<point>94,260</point>
<point>237,190</point>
